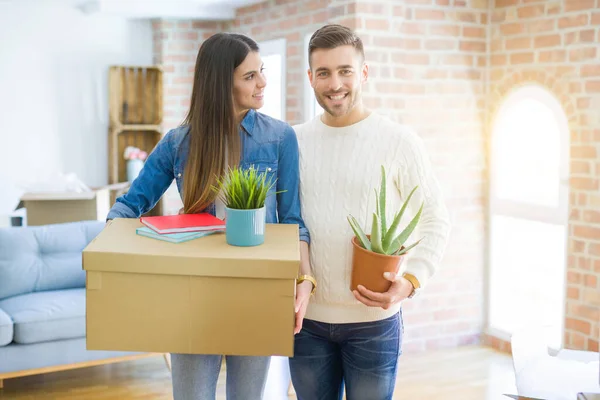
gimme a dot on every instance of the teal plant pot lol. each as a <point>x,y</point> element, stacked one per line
<point>245,227</point>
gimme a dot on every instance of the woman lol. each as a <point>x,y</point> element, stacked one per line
<point>223,128</point>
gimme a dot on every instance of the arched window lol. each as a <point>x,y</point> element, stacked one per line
<point>528,214</point>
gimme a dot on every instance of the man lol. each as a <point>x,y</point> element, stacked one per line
<point>354,339</point>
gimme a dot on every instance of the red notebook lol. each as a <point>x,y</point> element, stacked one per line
<point>183,223</point>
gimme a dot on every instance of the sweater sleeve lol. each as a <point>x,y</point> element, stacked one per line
<point>434,226</point>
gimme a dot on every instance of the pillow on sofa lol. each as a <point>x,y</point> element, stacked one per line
<point>39,258</point>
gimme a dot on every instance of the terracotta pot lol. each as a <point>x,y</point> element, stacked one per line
<point>368,268</point>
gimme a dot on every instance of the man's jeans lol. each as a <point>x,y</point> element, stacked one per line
<point>363,356</point>
<point>195,376</point>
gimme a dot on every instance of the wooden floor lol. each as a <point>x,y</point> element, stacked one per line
<point>473,372</point>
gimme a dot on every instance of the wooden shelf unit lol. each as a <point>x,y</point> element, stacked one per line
<point>136,95</point>
<point>135,116</point>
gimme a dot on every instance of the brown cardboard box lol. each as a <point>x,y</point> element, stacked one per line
<point>59,207</point>
<point>198,297</point>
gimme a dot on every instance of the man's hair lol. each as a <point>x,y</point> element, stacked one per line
<point>332,36</point>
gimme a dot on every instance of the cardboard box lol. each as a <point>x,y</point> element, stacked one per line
<point>198,297</point>
<point>588,396</point>
<point>59,207</point>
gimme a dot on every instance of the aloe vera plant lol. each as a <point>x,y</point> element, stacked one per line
<point>243,189</point>
<point>388,240</point>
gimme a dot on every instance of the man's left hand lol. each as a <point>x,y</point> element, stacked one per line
<point>401,288</point>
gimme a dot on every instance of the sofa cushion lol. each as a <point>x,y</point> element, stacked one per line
<point>6,328</point>
<point>43,316</point>
<point>40,258</point>
<point>22,357</point>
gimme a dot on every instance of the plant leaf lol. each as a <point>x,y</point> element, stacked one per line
<point>382,200</point>
<point>392,233</point>
<point>406,249</point>
<point>251,188</point>
<point>376,235</point>
<point>243,189</point>
<point>360,234</point>
<point>399,241</point>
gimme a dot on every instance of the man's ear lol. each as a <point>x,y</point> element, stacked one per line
<point>310,77</point>
<point>364,73</point>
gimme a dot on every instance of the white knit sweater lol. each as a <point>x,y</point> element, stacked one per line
<point>340,168</point>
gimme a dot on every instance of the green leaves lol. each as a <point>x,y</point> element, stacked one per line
<point>399,240</point>
<point>384,240</point>
<point>392,234</point>
<point>243,189</point>
<point>406,249</point>
<point>382,192</point>
<point>376,234</point>
<point>360,234</point>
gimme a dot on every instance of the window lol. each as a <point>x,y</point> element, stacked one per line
<point>273,56</point>
<point>528,214</point>
<point>311,106</point>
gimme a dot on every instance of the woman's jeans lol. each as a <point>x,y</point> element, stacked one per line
<point>363,357</point>
<point>195,376</point>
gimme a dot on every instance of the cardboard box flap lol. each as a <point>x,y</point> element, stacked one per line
<point>119,249</point>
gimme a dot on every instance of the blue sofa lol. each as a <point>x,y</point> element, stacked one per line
<point>42,300</point>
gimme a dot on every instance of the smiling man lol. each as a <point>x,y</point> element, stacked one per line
<point>353,339</point>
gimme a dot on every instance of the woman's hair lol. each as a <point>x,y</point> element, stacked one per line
<point>212,121</point>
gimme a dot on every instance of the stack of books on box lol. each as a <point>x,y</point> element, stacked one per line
<point>180,228</point>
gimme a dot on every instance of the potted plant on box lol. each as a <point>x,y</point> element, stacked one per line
<point>244,192</point>
<point>382,250</point>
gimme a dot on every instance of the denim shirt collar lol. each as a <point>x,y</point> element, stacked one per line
<point>249,120</point>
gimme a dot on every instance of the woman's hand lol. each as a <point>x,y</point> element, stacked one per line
<point>302,298</point>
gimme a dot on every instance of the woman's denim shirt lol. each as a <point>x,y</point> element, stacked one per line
<point>268,144</point>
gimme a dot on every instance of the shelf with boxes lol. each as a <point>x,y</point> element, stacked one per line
<point>135,114</point>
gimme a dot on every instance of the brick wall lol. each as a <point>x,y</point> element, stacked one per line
<point>555,44</point>
<point>440,66</point>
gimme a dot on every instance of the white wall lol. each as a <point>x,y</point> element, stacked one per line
<point>54,63</point>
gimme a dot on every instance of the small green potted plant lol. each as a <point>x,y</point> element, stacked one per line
<point>244,192</point>
<point>382,250</point>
